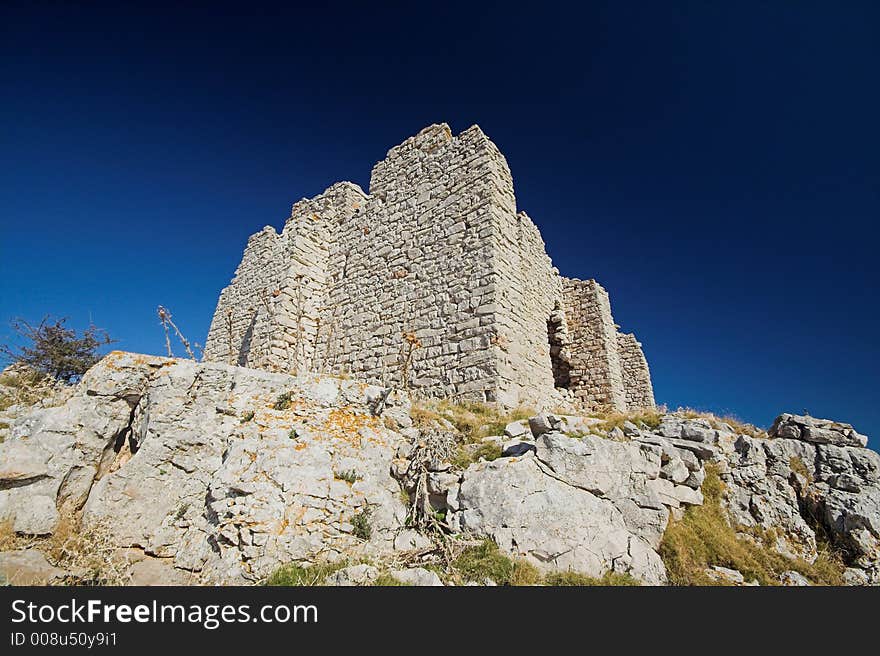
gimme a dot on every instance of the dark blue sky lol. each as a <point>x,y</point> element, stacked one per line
<point>715,165</point>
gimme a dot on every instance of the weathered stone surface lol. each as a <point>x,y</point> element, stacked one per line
<point>417,576</point>
<point>21,462</point>
<point>516,429</point>
<point>408,540</point>
<point>355,575</point>
<point>38,516</point>
<point>487,316</point>
<point>516,448</point>
<point>27,567</point>
<point>540,424</point>
<point>725,575</point>
<point>195,464</point>
<point>815,468</point>
<point>792,578</point>
<point>156,571</point>
<point>817,431</point>
<point>206,473</point>
<point>555,524</point>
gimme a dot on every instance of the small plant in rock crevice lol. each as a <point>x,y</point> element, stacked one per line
<point>349,475</point>
<point>284,401</point>
<point>360,522</point>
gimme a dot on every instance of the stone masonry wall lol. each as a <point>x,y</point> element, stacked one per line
<point>596,374</point>
<point>242,329</point>
<point>636,376</point>
<point>268,316</point>
<point>433,279</point>
<point>417,262</point>
<point>530,288</point>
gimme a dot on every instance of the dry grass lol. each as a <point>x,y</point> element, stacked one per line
<point>613,419</point>
<point>798,466</point>
<point>22,386</point>
<point>485,561</point>
<point>473,421</point>
<point>89,554</point>
<point>739,427</point>
<point>704,537</point>
<point>294,574</point>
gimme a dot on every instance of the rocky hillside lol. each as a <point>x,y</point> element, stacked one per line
<point>158,470</point>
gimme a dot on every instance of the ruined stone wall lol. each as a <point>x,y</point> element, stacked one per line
<point>305,294</point>
<point>530,287</point>
<point>271,311</point>
<point>636,376</point>
<point>596,375</point>
<point>242,329</point>
<point>416,261</point>
<point>433,279</point>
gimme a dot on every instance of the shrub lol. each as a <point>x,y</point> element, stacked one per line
<point>55,350</point>
<point>361,523</point>
<point>247,416</point>
<point>705,537</point>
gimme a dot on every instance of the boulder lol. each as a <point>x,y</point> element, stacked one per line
<point>544,423</point>
<point>27,567</point>
<point>173,456</point>
<point>409,539</point>
<point>355,575</point>
<point>792,578</point>
<point>417,576</point>
<point>816,431</point>
<point>556,525</point>
<point>516,429</point>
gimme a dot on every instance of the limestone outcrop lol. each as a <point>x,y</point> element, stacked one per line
<point>220,472</point>
<point>210,473</point>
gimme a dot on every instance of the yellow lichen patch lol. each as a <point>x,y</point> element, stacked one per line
<point>344,424</point>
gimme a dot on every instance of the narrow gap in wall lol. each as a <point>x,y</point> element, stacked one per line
<point>556,336</point>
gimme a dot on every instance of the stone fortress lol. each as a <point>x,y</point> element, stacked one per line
<point>433,281</point>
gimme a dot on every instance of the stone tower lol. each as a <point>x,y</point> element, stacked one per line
<point>433,280</point>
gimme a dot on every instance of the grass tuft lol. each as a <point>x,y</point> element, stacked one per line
<point>612,419</point>
<point>284,401</point>
<point>349,475</point>
<point>485,561</point>
<point>295,574</point>
<point>472,420</point>
<point>466,455</point>
<point>361,523</point>
<point>577,579</point>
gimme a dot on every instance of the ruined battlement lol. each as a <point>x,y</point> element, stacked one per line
<point>434,280</point>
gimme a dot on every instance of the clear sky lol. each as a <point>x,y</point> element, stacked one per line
<point>715,165</point>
